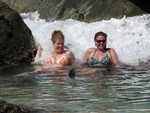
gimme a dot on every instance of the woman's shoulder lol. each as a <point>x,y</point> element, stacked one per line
<point>110,50</point>
<point>70,57</point>
<point>49,53</point>
<point>68,52</point>
<point>91,49</point>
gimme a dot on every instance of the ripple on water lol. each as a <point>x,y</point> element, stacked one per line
<point>123,91</point>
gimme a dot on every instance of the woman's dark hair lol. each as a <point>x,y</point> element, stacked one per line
<point>100,34</point>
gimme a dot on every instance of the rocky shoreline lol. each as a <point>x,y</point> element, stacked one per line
<point>6,107</point>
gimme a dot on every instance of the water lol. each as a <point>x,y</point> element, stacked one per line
<point>130,37</point>
<point>125,90</point>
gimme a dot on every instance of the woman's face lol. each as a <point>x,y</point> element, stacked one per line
<point>100,42</point>
<point>59,46</point>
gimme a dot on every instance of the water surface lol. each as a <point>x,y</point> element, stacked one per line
<point>125,90</point>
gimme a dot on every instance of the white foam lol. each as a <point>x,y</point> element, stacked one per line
<point>130,37</point>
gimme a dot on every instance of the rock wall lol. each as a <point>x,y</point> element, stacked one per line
<point>83,10</point>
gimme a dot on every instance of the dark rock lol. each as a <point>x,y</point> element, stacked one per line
<point>83,10</point>
<point>6,107</point>
<point>16,40</point>
<point>143,4</point>
<point>72,73</point>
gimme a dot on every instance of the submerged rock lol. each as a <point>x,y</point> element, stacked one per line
<point>72,73</point>
<point>83,10</point>
<point>6,107</point>
<point>16,41</point>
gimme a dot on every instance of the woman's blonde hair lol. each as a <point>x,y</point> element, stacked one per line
<point>57,34</point>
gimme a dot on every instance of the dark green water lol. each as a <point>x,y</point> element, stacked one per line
<point>122,91</point>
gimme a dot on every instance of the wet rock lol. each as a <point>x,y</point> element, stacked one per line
<point>16,41</point>
<point>72,73</point>
<point>145,64</point>
<point>83,10</point>
<point>6,107</point>
<point>143,4</point>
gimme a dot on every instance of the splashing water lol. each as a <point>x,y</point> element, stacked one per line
<point>128,36</point>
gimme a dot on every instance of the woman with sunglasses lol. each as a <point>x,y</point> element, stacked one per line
<point>101,56</point>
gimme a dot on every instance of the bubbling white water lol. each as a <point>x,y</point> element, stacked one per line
<point>130,37</point>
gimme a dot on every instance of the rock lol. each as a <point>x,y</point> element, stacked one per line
<point>83,10</point>
<point>16,41</point>
<point>72,73</point>
<point>143,4</point>
<point>6,107</point>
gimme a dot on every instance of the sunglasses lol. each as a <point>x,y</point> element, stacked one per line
<point>99,41</point>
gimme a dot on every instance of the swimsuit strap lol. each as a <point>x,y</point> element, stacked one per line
<point>104,61</point>
<point>110,52</point>
<point>94,52</point>
<point>50,60</point>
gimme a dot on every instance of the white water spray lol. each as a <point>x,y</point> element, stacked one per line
<point>130,37</point>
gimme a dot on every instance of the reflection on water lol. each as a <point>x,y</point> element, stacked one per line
<point>125,91</point>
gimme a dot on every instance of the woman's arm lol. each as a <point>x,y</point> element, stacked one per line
<point>86,55</point>
<point>38,54</point>
<point>71,57</point>
<point>114,57</point>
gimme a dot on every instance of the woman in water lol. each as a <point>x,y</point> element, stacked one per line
<point>58,55</point>
<point>101,56</point>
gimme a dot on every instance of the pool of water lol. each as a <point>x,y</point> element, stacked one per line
<point>121,91</point>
